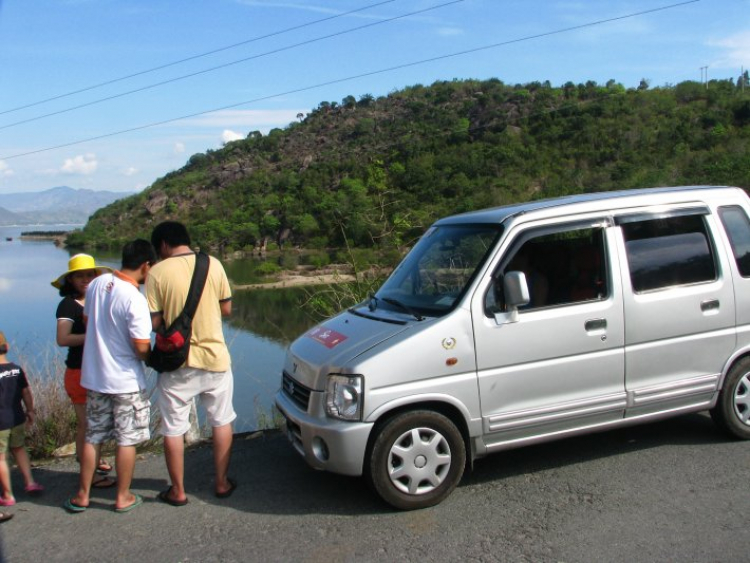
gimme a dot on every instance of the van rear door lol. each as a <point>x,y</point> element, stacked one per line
<point>679,308</point>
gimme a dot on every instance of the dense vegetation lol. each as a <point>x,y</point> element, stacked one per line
<point>367,171</point>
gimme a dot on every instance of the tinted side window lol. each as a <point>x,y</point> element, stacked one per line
<point>737,226</point>
<point>561,268</point>
<point>668,252</point>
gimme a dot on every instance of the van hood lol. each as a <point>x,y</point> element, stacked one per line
<point>329,346</point>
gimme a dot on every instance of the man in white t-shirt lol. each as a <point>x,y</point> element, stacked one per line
<point>118,339</point>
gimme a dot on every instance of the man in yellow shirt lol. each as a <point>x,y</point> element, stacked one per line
<point>207,373</point>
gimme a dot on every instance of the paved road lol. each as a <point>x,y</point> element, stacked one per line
<point>671,491</point>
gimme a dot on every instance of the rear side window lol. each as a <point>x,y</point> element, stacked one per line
<point>737,225</point>
<point>668,251</point>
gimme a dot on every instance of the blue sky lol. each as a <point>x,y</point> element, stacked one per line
<point>284,60</point>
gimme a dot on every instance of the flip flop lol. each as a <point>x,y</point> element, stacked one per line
<point>137,502</point>
<point>8,502</point>
<point>229,491</point>
<point>164,497</point>
<point>72,507</point>
<point>103,483</point>
<point>34,489</point>
<point>5,516</point>
<point>103,468</point>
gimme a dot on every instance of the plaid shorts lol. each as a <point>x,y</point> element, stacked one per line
<point>122,417</point>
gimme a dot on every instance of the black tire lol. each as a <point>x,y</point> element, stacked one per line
<point>732,410</point>
<point>417,459</point>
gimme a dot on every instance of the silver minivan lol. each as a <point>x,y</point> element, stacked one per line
<point>528,323</point>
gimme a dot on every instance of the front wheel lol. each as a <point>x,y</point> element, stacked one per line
<point>417,460</point>
<point>732,410</point>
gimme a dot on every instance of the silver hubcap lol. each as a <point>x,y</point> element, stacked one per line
<point>742,399</point>
<point>419,461</point>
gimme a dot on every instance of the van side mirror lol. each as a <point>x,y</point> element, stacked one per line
<point>516,293</point>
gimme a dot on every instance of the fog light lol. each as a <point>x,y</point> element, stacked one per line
<point>320,449</point>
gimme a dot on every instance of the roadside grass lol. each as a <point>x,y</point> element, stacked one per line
<point>54,430</point>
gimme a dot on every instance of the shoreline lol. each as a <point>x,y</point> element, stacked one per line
<point>297,280</point>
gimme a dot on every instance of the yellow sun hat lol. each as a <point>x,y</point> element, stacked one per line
<point>76,264</point>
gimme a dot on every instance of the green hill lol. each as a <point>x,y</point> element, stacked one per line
<point>368,170</point>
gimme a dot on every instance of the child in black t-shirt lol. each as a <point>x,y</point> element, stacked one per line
<point>16,409</point>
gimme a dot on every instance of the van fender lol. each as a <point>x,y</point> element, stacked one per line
<point>736,356</point>
<point>423,400</point>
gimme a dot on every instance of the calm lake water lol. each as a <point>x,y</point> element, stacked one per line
<point>263,322</point>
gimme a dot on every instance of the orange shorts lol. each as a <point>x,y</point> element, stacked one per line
<point>73,387</point>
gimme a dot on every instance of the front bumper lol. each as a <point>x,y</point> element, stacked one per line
<point>325,443</point>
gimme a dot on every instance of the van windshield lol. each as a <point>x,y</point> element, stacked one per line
<point>433,277</point>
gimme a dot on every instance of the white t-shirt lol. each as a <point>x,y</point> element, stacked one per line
<point>117,314</point>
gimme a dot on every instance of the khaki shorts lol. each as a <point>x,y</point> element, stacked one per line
<point>178,388</point>
<point>13,438</point>
<point>122,417</point>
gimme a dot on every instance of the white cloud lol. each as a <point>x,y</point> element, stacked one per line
<point>450,31</point>
<point>736,51</point>
<point>5,170</point>
<point>247,119</point>
<point>228,136</point>
<point>179,148</point>
<point>5,284</point>
<point>130,171</point>
<point>83,164</point>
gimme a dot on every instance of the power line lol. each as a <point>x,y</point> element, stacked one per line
<point>191,58</point>
<point>226,65</point>
<point>354,77</point>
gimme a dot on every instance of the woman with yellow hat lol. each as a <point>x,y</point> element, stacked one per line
<point>71,333</point>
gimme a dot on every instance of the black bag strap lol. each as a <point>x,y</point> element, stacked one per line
<point>197,283</point>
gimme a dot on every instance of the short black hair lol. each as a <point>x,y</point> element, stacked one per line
<point>67,289</point>
<point>170,232</point>
<point>136,252</point>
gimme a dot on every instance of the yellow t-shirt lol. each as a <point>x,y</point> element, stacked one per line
<point>167,287</point>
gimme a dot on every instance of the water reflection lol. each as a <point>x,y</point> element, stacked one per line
<point>276,314</point>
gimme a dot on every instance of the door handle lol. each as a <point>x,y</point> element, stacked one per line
<point>709,305</point>
<point>593,325</point>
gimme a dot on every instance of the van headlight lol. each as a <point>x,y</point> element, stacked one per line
<point>344,397</point>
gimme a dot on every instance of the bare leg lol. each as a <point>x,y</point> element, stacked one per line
<point>24,465</point>
<point>222,453</point>
<point>174,455</point>
<point>80,411</point>
<point>88,466</point>
<point>5,478</point>
<point>80,429</point>
<point>125,464</point>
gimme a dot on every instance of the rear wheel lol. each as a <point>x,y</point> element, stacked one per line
<point>417,460</point>
<point>732,410</point>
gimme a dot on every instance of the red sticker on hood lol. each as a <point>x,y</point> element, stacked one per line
<point>327,337</point>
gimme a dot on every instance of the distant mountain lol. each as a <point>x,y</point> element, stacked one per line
<point>58,205</point>
<point>9,218</point>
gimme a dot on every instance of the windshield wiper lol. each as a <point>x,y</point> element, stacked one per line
<point>373,304</point>
<point>406,308</point>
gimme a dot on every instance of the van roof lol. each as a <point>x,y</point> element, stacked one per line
<point>589,202</point>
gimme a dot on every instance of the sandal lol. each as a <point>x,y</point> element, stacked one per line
<point>7,502</point>
<point>137,501</point>
<point>229,491</point>
<point>5,516</point>
<point>34,489</point>
<point>103,468</point>
<point>72,507</point>
<point>164,497</point>
<point>103,483</point>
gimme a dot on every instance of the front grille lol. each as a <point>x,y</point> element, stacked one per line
<point>296,391</point>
